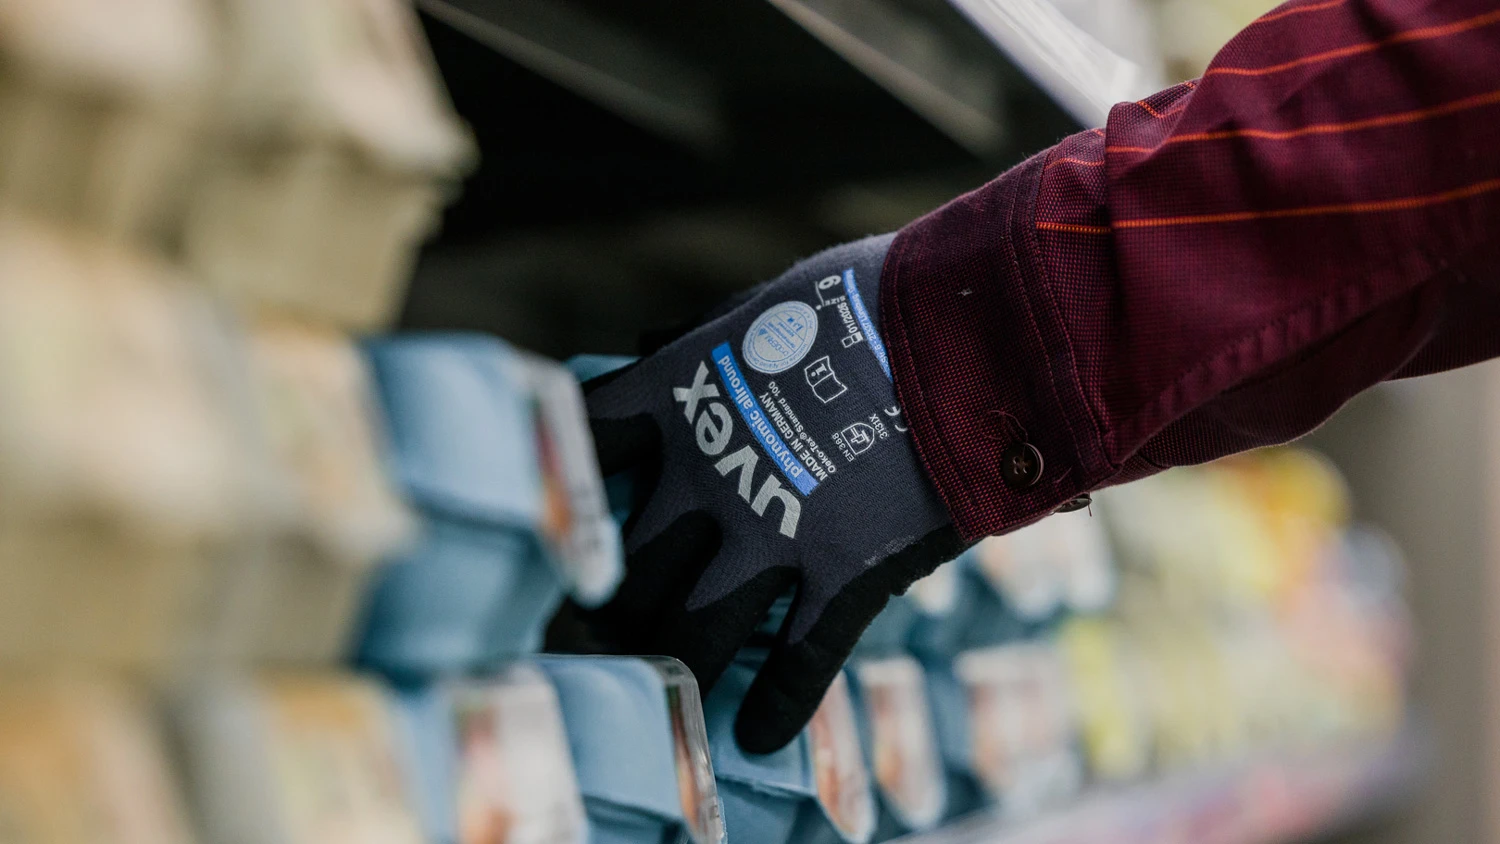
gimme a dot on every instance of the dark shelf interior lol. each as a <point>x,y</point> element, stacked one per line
<point>586,223</point>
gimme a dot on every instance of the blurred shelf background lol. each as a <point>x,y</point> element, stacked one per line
<point>659,157</point>
<point>637,163</point>
<point>1275,800</point>
<point>641,161</point>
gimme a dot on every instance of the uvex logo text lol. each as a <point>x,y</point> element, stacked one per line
<point>713,428</point>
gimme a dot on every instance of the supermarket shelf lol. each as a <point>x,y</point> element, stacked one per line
<point>1082,73</point>
<point>619,71</point>
<point>956,90</point>
<point>1278,800</point>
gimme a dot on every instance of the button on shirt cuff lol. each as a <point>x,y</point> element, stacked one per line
<point>982,363</point>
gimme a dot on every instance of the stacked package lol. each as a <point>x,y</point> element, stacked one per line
<point>491,448</point>
<point>193,478</point>
<point>123,473</point>
<point>1203,621</point>
<point>1251,618</point>
<point>1198,621</point>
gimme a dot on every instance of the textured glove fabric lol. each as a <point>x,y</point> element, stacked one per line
<point>770,455</point>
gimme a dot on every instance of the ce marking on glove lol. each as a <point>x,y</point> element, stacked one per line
<point>894,414</point>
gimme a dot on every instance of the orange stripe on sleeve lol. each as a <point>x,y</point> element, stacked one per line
<point>1159,114</point>
<point>1072,228</point>
<point>1408,203</point>
<point>1423,34</point>
<point>1488,98</point>
<point>1079,161</point>
<point>1399,119</point>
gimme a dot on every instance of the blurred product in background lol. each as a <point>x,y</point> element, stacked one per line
<point>297,601</point>
<point>332,145</point>
<point>104,102</point>
<point>478,585</point>
<point>273,571</point>
<point>490,759</point>
<point>82,759</point>
<point>123,471</point>
<point>635,726</point>
<point>900,742</point>
<point>295,757</point>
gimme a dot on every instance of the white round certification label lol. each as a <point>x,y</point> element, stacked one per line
<point>781,337</point>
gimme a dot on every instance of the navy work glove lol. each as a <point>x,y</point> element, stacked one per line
<point>770,454</point>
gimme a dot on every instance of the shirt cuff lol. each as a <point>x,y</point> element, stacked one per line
<point>982,362</point>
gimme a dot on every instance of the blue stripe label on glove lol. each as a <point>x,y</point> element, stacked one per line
<point>760,427</point>
<point>861,313</point>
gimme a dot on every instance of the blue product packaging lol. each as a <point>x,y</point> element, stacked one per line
<point>895,721</point>
<point>1022,722</point>
<point>488,760</point>
<point>889,632</point>
<point>815,790</point>
<point>477,585</point>
<point>976,615</point>
<point>950,716</point>
<point>588,367</point>
<point>635,726</point>
<point>900,743</point>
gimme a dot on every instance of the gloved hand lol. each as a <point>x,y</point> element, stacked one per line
<point>770,454</point>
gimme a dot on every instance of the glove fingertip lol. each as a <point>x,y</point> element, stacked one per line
<point>796,676</point>
<point>769,720</point>
<point>707,639</point>
<point>785,695</point>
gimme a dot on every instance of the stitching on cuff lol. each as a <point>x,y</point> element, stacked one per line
<point>920,405</point>
<point>963,517</point>
<point>1017,228</point>
<point>1045,291</point>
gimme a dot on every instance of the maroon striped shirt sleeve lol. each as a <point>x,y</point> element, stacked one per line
<point>1220,267</point>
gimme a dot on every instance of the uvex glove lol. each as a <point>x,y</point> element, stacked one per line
<point>770,454</point>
